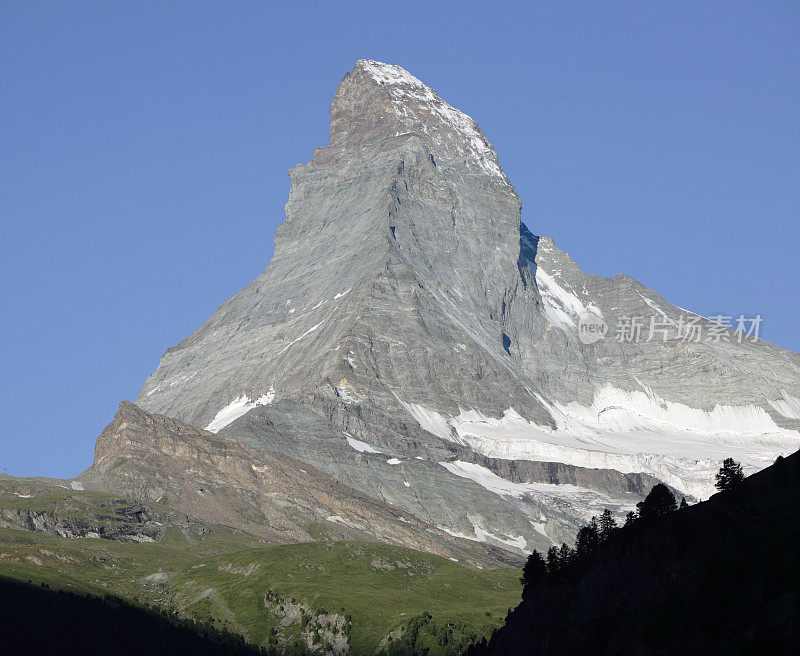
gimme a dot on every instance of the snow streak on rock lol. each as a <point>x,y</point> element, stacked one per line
<point>238,407</point>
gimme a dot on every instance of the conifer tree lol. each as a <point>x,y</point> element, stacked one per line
<point>535,569</point>
<point>606,525</point>
<point>564,555</point>
<point>587,539</point>
<point>553,560</point>
<point>730,475</point>
<point>658,503</point>
<point>781,472</point>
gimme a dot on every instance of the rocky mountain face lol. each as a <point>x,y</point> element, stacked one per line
<point>415,343</point>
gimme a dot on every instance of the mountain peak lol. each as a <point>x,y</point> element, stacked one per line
<point>390,74</point>
<point>385,101</point>
<point>406,306</point>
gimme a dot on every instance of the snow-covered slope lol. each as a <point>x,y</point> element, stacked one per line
<point>628,432</point>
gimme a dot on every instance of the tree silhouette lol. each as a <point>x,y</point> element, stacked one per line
<point>606,524</point>
<point>535,569</point>
<point>564,555</point>
<point>658,503</point>
<point>683,503</point>
<point>587,539</point>
<point>730,475</point>
<point>553,560</point>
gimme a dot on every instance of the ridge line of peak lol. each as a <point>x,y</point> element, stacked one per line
<point>407,92</point>
<point>390,73</point>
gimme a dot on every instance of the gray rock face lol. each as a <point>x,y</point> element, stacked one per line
<point>129,527</point>
<point>407,306</point>
<point>64,508</point>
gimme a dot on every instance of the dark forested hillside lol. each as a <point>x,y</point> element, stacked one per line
<point>35,621</point>
<point>720,577</point>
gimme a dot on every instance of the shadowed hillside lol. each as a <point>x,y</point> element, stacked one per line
<point>721,577</point>
<point>37,620</point>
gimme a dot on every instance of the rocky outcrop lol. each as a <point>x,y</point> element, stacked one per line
<point>133,528</point>
<point>56,507</point>
<point>558,473</point>
<point>323,632</point>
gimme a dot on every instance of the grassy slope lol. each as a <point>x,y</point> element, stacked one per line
<point>225,575</point>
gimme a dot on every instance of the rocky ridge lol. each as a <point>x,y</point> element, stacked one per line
<point>280,499</point>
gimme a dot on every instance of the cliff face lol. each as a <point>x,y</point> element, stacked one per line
<point>408,307</point>
<point>721,577</point>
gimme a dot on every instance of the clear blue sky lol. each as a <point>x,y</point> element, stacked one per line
<point>144,149</point>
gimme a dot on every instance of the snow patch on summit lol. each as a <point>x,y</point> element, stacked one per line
<point>429,420</point>
<point>340,294</point>
<point>621,411</point>
<point>403,86</point>
<point>486,478</point>
<point>582,501</point>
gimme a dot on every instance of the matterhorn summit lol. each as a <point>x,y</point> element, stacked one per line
<point>412,340</point>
